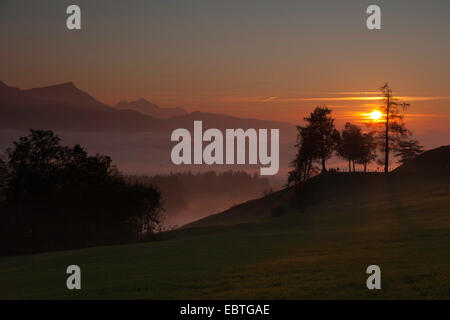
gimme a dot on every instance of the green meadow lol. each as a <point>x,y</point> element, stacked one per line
<point>320,252</point>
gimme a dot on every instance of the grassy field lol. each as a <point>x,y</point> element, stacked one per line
<point>318,253</point>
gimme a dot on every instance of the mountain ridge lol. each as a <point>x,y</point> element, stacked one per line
<point>67,108</point>
<point>148,108</point>
<point>65,94</point>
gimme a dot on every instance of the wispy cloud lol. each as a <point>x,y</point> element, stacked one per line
<point>337,98</point>
<point>371,93</point>
<point>364,116</point>
<point>270,98</point>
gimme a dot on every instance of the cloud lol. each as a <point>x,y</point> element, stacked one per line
<point>319,99</point>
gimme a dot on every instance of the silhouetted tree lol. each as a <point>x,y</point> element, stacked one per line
<point>351,144</point>
<point>392,129</point>
<point>315,142</point>
<point>3,177</point>
<point>357,147</point>
<point>307,153</point>
<point>58,197</point>
<point>368,150</point>
<point>181,189</point>
<point>323,133</point>
<point>408,150</point>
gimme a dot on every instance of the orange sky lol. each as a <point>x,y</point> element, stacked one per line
<point>269,60</point>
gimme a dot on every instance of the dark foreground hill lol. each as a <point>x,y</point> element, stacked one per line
<point>435,161</point>
<point>319,251</point>
<point>341,187</point>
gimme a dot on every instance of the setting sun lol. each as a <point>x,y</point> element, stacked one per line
<point>375,115</point>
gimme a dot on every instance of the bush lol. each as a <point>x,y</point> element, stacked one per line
<point>57,197</point>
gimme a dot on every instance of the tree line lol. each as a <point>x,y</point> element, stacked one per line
<point>58,197</point>
<point>184,191</point>
<point>178,188</point>
<point>319,140</point>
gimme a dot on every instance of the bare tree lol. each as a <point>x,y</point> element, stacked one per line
<point>392,129</point>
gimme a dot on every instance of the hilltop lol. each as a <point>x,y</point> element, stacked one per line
<point>435,161</point>
<point>339,187</point>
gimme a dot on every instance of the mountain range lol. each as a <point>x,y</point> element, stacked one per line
<point>64,107</point>
<point>137,141</point>
<point>146,107</point>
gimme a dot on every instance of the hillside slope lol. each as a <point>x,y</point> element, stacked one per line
<point>251,211</point>
<point>337,186</point>
<point>435,161</point>
<point>320,252</point>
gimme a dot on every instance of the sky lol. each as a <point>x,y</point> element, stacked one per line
<point>261,59</point>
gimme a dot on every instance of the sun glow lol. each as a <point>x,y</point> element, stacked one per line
<point>375,115</point>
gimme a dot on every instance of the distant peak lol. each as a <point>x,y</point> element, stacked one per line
<point>144,102</point>
<point>66,94</point>
<point>61,87</point>
<point>5,87</point>
<point>137,103</point>
<point>67,84</point>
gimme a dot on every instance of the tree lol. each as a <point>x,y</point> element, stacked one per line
<point>356,146</point>
<point>408,150</point>
<point>351,144</point>
<point>3,174</point>
<point>324,133</point>
<point>315,142</point>
<point>369,147</point>
<point>59,197</point>
<point>307,153</point>
<point>392,129</point>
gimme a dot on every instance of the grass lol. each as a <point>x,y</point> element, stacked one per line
<point>320,253</point>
